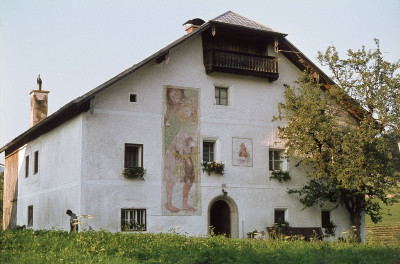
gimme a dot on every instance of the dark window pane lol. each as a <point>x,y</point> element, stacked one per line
<point>221,96</point>
<point>277,165</point>
<point>26,166</point>
<point>279,216</point>
<point>275,160</point>
<point>133,98</point>
<point>223,93</point>
<point>36,163</point>
<point>30,215</point>
<point>325,218</point>
<point>133,156</point>
<point>208,151</point>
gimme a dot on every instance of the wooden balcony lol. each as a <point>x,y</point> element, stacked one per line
<point>217,60</point>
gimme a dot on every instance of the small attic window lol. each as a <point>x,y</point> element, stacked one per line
<point>133,98</point>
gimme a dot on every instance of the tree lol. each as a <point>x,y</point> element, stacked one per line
<point>352,162</point>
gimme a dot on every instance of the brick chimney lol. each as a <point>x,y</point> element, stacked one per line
<point>193,24</point>
<point>39,104</point>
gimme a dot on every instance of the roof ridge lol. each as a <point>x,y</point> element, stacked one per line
<point>252,20</point>
<point>235,19</point>
<point>229,11</point>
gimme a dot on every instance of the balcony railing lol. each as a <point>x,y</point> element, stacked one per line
<point>241,63</point>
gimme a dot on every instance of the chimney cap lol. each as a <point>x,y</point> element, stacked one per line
<point>195,21</point>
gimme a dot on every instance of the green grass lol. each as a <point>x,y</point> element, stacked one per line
<point>27,246</point>
<point>390,216</point>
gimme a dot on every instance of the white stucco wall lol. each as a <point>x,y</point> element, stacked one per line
<point>56,186</point>
<point>81,161</point>
<point>252,104</point>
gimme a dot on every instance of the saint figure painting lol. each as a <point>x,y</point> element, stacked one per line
<point>242,151</point>
<point>181,144</point>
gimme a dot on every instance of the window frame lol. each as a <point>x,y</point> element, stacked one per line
<point>140,154</point>
<point>26,166</point>
<point>210,153</point>
<point>218,99</point>
<point>36,162</point>
<point>272,161</point>
<point>30,215</point>
<point>136,212</point>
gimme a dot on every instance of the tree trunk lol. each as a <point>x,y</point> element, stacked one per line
<point>355,205</point>
<point>356,226</point>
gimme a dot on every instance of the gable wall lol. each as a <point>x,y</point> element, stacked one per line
<point>56,186</point>
<point>252,104</point>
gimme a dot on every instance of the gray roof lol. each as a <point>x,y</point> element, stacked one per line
<point>232,18</point>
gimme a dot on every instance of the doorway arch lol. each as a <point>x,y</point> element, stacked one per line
<point>223,216</point>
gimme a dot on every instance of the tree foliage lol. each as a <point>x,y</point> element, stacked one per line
<point>352,161</point>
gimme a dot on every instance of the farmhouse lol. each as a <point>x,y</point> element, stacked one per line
<point>208,96</point>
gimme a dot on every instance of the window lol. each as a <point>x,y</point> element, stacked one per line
<point>133,219</point>
<point>325,218</point>
<point>30,215</point>
<point>133,155</point>
<point>26,166</point>
<point>221,96</point>
<point>275,160</point>
<point>279,216</point>
<point>208,151</point>
<point>133,98</point>
<point>36,162</point>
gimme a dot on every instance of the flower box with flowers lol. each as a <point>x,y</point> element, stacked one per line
<point>217,168</point>
<point>134,173</point>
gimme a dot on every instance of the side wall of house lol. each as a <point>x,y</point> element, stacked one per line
<point>10,191</point>
<point>251,195</point>
<point>55,184</point>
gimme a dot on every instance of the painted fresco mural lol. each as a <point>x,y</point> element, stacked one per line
<point>242,152</point>
<point>181,145</point>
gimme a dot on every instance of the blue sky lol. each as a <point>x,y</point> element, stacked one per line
<point>78,45</point>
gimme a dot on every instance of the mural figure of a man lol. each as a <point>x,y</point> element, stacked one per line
<point>180,160</point>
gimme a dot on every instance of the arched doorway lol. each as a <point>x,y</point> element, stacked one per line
<point>220,218</point>
<point>223,216</point>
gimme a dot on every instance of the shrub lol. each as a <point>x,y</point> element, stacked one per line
<point>280,176</point>
<point>330,229</point>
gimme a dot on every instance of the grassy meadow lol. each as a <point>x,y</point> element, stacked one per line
<point>28,246</point>
<point>390,216</point>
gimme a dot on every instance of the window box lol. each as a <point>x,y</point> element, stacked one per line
<point>217,168</point>
<point>134,173</point>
